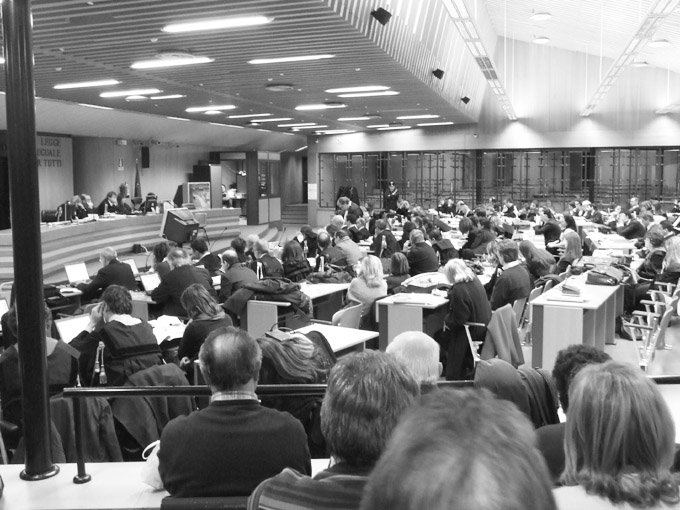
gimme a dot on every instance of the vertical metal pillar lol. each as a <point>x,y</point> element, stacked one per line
<point>25,208</point>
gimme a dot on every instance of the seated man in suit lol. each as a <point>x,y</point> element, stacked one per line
<point>266,265</point>
<point>631,228</point>
<point>183,274</point>
<point>367,394</point>
<point>203,258</point>
<point>236,275</point>
<point>113,272</point>
<point>109,204</point>
<point>513,282</point>
<point>329,253</point>
<point>421,256</point>
<point>229,447</point>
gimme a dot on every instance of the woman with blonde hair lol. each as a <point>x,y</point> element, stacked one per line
<point>539,262</point>
<point>467,303</point>
<point>619,442</point>
<point>573,251</point>
<point>671,262</point>
<point>369,285</point>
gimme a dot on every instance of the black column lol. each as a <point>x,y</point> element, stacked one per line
<point>25,209</point>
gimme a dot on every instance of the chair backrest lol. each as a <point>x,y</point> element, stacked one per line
<point>548,285</point>
<point>518,307</point>
<point>349,317</point>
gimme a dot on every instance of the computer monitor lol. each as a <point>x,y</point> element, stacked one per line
<point>133,266</point>
<point>76,272</point>
<point>178,225</point>
<point>150,281</point>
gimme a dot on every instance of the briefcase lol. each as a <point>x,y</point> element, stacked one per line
<point>604,276</point>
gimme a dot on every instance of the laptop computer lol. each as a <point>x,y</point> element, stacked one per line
<point>133,266</point>
<point>76,272</point>
<point>150,281</point>
<point>70,327</point>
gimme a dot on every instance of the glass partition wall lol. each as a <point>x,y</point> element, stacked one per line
<point>604,176</point>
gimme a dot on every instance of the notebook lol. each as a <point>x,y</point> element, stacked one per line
<point>70,327</point>
<point>76,272</point>
<point>133,266</point>
<point>150,281</point>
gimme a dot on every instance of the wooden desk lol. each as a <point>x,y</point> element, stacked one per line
<point>610,243</point>
<point>342,340</point>
<point>409,312</point>
<point>113,485</point>
<point>558,324</point>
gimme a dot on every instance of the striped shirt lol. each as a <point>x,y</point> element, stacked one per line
<point>337,488</point>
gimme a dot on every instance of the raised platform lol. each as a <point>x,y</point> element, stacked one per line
<point>63,244</point>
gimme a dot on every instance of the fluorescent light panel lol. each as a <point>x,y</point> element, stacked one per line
<point>134,92</point>
<point>413,117</point>
<point>321,106</point>
<point>213,112</point>
<point>179,118</point>
<point>298,125</point>
<point>278,119</point>
<point>310,127</point>
<point>278,60</point>
<point>349,119</point>
<point>249,115</point>
<point>365,88</point>
<point>371,94</point>
<point>159,63</point>
<point>169,96</point>
<point>301,148</point>
<point>210,107</point>
<point>216,24</point>
<point>393,128</point>
<point>95,106</point>
<point>424,124</point>
<point>378,126</point>
<point>85,84</point>
<point>335,131</point>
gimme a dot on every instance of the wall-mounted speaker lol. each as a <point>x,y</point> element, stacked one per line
<point>145,157</point>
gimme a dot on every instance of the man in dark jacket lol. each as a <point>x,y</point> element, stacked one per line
<point>113,272</point>
<point>204,258</point>
<point>514,282</point>
<point>172,285</point>
<point>421,257</point>
<point>235,443</point>
<point>384,242</point>
<point>266,265</point>
<point>329,253</point>
<point>236,276</point>
<point>632,228</point>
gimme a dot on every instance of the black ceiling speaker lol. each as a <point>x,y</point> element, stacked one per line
<point>465,99</point>
<point>438,73</point>
<point>381,15</point>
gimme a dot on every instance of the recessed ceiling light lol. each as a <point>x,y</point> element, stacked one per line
<point>541,16</point>
<point>411,117</point>
<point>170,96</point>
<point>371,94</point>
<point>639,63</point>
<point>84,84</point>
<point>217,24</point>
<point>378,125</point>
<point>393,128</point>
<point>95,106</point>
<point>435,124</point>
<point>349,119</point>
<point>134,92</point>
<point>366,88</point>
<point>278,119</point>
<point>248,115</point>
<point>179,118</point>
<point>542,39</point>
<point>320,106</point>
<point>213,112</point>
<point>157,63</point>
<point>210,107</point>
<point>310,127</point>
<point>659,43</point>
<point>298,125</point>
<point>278,60</point>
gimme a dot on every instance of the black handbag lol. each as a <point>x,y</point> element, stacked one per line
<point>605,276</point>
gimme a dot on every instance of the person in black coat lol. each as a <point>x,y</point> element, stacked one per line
<point>391,197</point>
<point>109,204</point>
<point>307,237</point>
<point>421,256</point>
<point>550,229</point>
<point>204,258</point>
<point>113,272</point>
<point>513,282</point>
<point>632,228</point>
<point>384,243</point>
<point>467,303</point>
<point>183,274</point>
